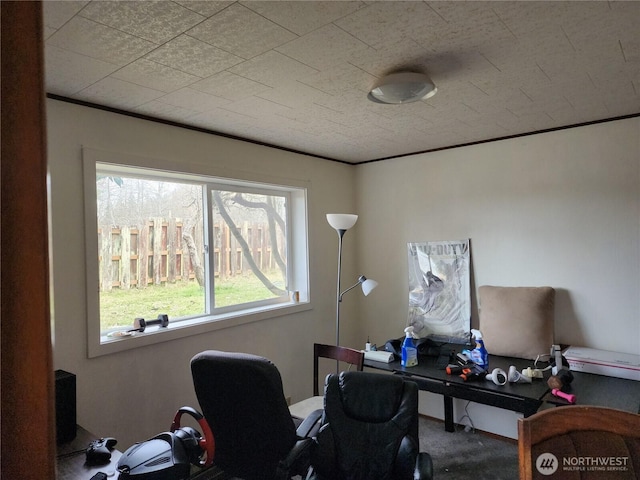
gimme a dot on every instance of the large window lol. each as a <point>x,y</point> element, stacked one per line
<point>189,248</point>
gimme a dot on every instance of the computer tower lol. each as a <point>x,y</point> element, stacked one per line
<point>65,406</point>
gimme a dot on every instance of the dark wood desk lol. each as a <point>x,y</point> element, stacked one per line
<point>525,398</point>
<point>71,459</point>
<point>603,391</point>
<point>518,397</point>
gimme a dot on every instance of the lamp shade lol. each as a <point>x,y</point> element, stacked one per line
<point>368,285</point>
<point>342,221</point>
<point>402,87</point>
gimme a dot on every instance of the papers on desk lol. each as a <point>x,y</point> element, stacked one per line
<point>379,356</point>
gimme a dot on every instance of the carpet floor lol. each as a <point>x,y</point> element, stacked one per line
<point>467,455</point>
<point>459,455</point>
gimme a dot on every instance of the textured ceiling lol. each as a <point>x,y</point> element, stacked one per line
<point>295,74</point>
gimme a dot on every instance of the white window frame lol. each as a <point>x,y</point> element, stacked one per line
<point>298,250</point>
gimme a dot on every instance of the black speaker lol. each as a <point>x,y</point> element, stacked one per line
<point>65,406</point>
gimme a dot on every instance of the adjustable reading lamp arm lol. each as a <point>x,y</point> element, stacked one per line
<point>361,280</point>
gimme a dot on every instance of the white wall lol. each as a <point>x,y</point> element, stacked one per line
<point>133,395</point>
<point>559,209</point>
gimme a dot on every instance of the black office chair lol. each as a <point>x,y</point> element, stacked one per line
<point>354,358</point>
<point>369,431</point>
<point>242,399</point>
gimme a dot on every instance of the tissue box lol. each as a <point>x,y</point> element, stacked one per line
<point>603,362</point>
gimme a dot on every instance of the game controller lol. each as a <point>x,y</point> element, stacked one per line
<point>99,451</point>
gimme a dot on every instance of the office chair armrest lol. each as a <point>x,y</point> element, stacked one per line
<point>297,460</point>
<point>424,467</point>
<point>308,424</point>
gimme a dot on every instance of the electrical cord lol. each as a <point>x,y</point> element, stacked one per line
<point>537,371</point>
<point>71,454</point>
<point>539,359</point>
<point>470,427</point>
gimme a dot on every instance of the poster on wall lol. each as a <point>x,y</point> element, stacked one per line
<point>440,290</point>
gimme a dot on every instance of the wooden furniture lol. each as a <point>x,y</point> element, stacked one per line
<point>26,366</point>
<point>355,358</point>
<point>579,442</point>
<point>601,390</point>
<point>71,464</point>
<point>430,376</point>
<point>71,459</point>
<point>524,398</point>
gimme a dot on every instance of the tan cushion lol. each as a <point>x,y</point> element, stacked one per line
<point>517,321</point>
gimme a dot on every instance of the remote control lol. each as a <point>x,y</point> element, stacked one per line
<point>99,476</point>
<point>99,451</point>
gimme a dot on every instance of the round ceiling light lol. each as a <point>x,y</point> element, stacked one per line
<point>402,87</point>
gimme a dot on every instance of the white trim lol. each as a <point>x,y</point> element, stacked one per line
<point>179,330</point>
<point>298,250</point>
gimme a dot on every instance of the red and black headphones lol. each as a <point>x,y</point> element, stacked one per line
<point>195,443</point>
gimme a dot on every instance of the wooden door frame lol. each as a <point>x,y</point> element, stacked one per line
<point>27,418</point>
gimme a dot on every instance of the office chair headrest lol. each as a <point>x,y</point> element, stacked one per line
<point>370,397</point>
<point>242,398</point>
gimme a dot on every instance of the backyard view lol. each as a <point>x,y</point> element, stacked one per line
<point>120,307</point>
<point>155,249</point>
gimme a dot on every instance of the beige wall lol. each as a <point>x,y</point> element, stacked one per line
<point>134,394</point>
<point>559,209</point>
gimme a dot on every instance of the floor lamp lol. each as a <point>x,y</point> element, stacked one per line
<point>342,222</point>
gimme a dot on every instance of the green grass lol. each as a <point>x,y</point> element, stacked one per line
<point>118,308</point>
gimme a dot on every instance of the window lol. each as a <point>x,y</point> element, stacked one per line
<point>196,249</point>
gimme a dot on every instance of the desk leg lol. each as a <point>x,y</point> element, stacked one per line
<point>448,414</point>
<point>530,410</point>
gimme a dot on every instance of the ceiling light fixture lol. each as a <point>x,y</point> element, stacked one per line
<point>402,87</point>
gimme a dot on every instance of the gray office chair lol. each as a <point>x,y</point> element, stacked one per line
<point>369,430</point>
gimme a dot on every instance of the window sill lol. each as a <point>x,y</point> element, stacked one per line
<point>153,335</point>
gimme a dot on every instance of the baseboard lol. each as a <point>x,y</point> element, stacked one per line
<point>475,430</point>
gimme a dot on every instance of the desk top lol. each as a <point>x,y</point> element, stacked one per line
<point>429,368</point>
<point>590,389</point>
<point>603,391</point>
<point>71,459</point>
<point>71,462</point>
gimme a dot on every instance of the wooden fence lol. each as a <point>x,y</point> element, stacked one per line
<point>158,252</point>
